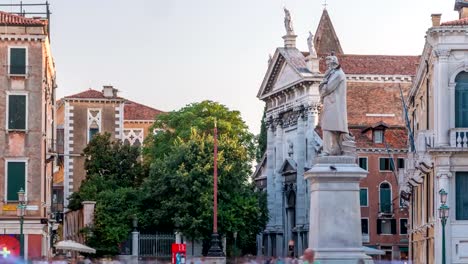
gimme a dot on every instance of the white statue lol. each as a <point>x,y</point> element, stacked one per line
<point>288,23</point>
<point>333,118</point>
<point>310,44</point>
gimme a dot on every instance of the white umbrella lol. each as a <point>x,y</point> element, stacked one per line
<point>373,251</point>
<point>74,246</point>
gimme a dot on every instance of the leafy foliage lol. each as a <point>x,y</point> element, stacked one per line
<point>261,138</point>
<point>114,175</point>
<point>179,190</point>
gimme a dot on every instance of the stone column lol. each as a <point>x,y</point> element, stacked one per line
<point>444,176</point>
<point>441,107</point>
<point>300,152</point>
<point>335,219</point>
<point>279,206</point>
<point>271,175</point>
<point>135,244</point>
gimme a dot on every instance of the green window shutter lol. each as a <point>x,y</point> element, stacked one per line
<point>393,226</point>
<point>382,164</point>
<point>461,196</point>
<point>92,132</point>
<point>17,61</point>
<point>17,112</point>
<point>16,179</point>
<point>363,197</point>
<point>363,163</point>
<point>461,100</point>
<point>392,164</point>
<point>385,200</point>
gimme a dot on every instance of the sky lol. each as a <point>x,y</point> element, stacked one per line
<point>169,53</point>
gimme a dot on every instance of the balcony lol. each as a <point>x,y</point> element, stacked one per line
<point>385,209</point>
<point>459,138</point>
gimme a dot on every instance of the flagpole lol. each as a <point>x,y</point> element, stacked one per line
<point>215,248</point>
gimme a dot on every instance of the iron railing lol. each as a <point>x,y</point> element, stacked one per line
<point>156,245</point>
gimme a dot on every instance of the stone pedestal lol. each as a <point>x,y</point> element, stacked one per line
<point>335,213</point>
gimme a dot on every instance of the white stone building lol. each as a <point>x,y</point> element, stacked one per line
<point>438,113</point>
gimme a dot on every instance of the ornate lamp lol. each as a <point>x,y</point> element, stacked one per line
<point>443,196</point>
<point>444,212</point>
<point>21,196</point>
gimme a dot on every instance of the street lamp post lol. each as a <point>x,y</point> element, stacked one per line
<point>443,215</point>
<point>235,247</point>
<point>21,210</point>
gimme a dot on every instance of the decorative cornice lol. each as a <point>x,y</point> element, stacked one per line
<point>22,37</point>
<point>444,175</point>
<point>93,100</point>
<point>379,78</point>
<point>381,150</point>
<point>139,121</point>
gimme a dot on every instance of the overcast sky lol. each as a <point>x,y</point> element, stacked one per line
<point>168,53</point>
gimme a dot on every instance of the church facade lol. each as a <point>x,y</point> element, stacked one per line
<point>290,92</point>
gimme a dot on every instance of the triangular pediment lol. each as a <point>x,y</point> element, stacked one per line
<point>288,167</point>
<point>282,72</point>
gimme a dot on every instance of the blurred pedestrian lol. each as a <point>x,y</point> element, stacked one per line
<point>309,257</point>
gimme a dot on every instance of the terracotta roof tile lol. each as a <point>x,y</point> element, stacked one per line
<point>136,111</point>
<point>16,20</point>
<point>459,22</point>
<point>90,94</point>
<point>395,137</point>
<point>376,64</point>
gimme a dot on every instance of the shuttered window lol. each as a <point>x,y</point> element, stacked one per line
<point>17,111</point>
<point>363,163</point>
<point>385,198</point>
<point>403,227</point>
<point>363,197</point>
<point>386,226</point>
<point>461,100</point>
<point>461,196</point>
<point>17,60</point>
<point>16,177</point>
<point>386,164</point>
<point>365,226</point>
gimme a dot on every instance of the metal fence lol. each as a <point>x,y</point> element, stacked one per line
<point>156,245</point>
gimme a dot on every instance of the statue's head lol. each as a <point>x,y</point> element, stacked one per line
<point>332,61</point>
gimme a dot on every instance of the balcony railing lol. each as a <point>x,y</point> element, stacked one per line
<point>459,138</point>
<point>385,208</point>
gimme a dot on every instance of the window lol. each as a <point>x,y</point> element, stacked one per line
<point>401,163</point>
<point>378,136</point>
<point>17,109</point>
<point>403,226</point>
<point>386,226</point>
<point>133,136</point>
<point>385,198</point>
<point>16,179</point>
<point>363,162</point>
<point>386,164</point>
<point>363,197</point>
<point>18,59</point>
<point>461,196</point>
<point>94,122</point>
<point>365,226</point>
<point>461,100</point>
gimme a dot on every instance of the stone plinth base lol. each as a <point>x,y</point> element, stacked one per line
<point>335,212</point>
<point>215,260</point>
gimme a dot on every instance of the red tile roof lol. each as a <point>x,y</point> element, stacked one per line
<point>90,94</point>
<point>459,22</point>
<point>16,20</point>
<point>376,64</point>
<point>136,111</point>
<point>395,137</point>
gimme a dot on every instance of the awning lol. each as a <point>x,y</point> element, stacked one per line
<point>373,251</point>
<point>74,246</point>
<point>403,249</point>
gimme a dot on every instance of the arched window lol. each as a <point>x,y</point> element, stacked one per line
<point>385,198</point>
<point>461,100</point>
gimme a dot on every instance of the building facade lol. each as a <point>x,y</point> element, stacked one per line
<point>290,91</point>
<point>438,118</point>
<point>27,141</point>
<point>82,115</point>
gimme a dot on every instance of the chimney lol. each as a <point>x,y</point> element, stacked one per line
<point>109,91</point>
<point>462,7</point>
<point>436,19</point>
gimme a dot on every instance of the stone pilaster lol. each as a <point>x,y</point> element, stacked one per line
<point>442,101</point>
<point>300,180</point>
<point>278,207</point>
<point>271,175</point>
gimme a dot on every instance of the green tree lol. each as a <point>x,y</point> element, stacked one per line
<point>179,191</point>
<point>262,138</point>
<point>114,175</point>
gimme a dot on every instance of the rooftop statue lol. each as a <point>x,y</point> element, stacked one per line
<point>310,45</point>
<point>288,23</point>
